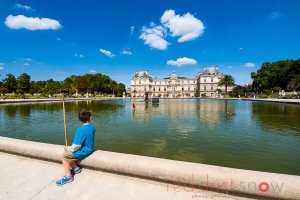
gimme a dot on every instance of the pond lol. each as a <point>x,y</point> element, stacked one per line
<point>259,136</point>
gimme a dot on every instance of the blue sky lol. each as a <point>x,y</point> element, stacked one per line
<point>55,39</point>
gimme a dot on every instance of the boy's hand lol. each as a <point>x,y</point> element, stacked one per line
<point>66,148</point>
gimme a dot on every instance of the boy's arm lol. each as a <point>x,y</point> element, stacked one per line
<point>78,140</point>
<point>74,147</point>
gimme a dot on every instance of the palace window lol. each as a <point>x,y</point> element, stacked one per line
<point>154,89</point>
<point>212,80</point>
<point>182,89</point>
<point>165,89</point>
<point>189,89</point>
<point>211,87</point>
<point>205,80</point>
<point>158,89</point>
<point>139,81</point>
<point>204,87</point>
<point>145,89</point>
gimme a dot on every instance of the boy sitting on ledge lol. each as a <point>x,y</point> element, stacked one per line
<point>82,147</point>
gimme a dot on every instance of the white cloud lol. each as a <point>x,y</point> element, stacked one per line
<point>126,52</point>
<point>275,15</point>
<point>1,66</point>
<point>92,71</point>
<point>26,64</point>
<point>132,30</point>
<point>229,67</point>
<point>182,61</point>
<point>241,48</point>
<point>31,23</point>
<point>187,27</point>
<point>154,37</point>
<point>249,65</point>
<point>58,39</point>
<point>23,7</point>
<point>106,52</point>
<point>79,55</point>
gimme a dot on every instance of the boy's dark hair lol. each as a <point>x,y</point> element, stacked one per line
<point>84,115</point>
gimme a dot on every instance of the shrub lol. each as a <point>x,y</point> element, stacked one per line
<point>267,92</point>
<point>276,89</point>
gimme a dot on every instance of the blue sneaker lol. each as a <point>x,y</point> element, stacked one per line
<point>64,180</point>
<point>77,170</point>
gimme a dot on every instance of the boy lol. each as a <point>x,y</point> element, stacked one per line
<point>82,147</point>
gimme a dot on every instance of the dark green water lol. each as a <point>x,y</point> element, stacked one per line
<point>261,136</point>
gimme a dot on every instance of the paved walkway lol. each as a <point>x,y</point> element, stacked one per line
<point>294,101</point>
<point>25,178</point>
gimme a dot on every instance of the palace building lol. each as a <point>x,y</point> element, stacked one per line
<point>174,86</point>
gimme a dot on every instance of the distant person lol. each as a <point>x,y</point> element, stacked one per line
<point>82,147</point>
<point>230,113</point>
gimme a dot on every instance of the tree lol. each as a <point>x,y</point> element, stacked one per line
<point>23,83</point>
<point>237,90</point>
<point>83,84</point>
<point>219,91</point>
<point>38,87</point>
<point>3,90</point>
<point>69,85</point>
<point>93,83</point>
<point>10,83</point>
<point>112,87</point>
<point>120,88</point>
<point>53,87</point>
<point>227,80</point>
<point>294,83</point>
<point>276,74</point>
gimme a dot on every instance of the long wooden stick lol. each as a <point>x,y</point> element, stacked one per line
<point>65,124</point>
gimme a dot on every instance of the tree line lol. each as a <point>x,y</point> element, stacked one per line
<point>283,74</point>
<point>272,77</point>
<point>91,83</point>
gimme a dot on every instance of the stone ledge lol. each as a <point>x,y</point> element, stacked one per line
<point>214,178</point>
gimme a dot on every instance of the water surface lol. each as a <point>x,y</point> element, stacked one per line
<point>259,136</point>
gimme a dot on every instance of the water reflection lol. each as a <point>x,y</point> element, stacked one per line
<point>212,112</point>
<point>260,136</point>
<point>281,118</point>
<point>179,113</point>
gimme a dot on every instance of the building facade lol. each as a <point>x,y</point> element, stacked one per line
<point>174,86</point>
<point>208,82</point>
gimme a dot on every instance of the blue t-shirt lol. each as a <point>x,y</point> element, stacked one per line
<point>84,136</point>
